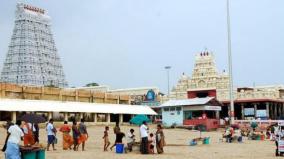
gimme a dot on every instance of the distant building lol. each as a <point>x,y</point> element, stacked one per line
<point>40,93</point>
<point>32,57</point>
<point>150,96</point>
<point>249,102</point>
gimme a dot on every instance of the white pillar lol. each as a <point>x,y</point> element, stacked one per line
<point>50,114</point>
<point>14,117</point>
<point>243,111</point>
<point>81,116</point>
<point>108,118</point>
<point>267,110</point>
<point>217,115</point>
<point>95,117</point>
<point>65,116</point>
<point>120,118</point>
<point>255,109</point>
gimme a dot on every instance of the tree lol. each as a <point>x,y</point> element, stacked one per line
<point>91,84</point>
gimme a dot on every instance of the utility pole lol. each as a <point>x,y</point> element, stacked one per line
<point>232,111</point>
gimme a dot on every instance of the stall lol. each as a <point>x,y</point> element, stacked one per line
<point>192,112</point>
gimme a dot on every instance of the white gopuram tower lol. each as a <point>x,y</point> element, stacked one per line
<point>32,57</point>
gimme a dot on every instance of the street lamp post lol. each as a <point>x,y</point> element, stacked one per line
<point>168,76</point>
<point>232,113</point>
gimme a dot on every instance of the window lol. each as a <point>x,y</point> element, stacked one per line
<point>178,108</point>
<point>172,109</point>
<point>166,109</point>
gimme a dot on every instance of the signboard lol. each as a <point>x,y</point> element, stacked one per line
<point>249,111</point>
<point>150,96</point>
<point>261,113</point>
<point>214,108</point>
<point>210,108</point>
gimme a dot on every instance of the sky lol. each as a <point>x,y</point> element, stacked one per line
<point>127,43</point>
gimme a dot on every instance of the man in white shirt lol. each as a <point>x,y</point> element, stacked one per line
<point>144,138</point>
<point>51,131</point>
<point>13,139</point>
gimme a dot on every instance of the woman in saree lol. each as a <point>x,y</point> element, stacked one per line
<point>67,138</point>
<point>28,134</point>
<point>160,139</point>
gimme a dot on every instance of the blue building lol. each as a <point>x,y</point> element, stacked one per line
<point>184,112</point>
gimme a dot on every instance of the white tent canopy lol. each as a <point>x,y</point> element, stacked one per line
<point>80,107</point>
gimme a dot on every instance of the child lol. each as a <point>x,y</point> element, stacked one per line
<point>106,140</point>
<point>151,142</point>
<point>130,139</point>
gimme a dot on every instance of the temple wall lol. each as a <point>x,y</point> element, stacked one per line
<point>60,94</point>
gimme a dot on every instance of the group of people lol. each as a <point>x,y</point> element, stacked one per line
<point>25,131</point>
<point>232,134</point>
<point>79,135</point>
<point>76,135</point>
<point>147,144</point>
<point>29,134</point>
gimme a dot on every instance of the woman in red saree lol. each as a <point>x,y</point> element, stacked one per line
<point>67,138</point>
<point>28,134</point>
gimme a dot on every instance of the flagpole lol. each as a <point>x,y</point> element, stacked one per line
<point>232,110</point>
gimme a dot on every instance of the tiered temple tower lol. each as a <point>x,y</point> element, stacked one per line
<point>205,74</point>
<point>32,57</point>
<point>204,77</point>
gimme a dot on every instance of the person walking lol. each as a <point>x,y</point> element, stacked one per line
<point>51,135</point>
<point>67,138</point>
<point>76,135</point>
<point>160,139</point>
<point>83,134</point>
<point>106,138</point>
<point>144,138</point>
<point>12,142</point>
<point>116,131</point>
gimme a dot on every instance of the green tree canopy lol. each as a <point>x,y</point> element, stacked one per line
<point>91,84</point>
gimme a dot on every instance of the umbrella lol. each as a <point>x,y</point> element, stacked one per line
<point>33,118</point>
<point>254,124</point>
<point>138,119</point>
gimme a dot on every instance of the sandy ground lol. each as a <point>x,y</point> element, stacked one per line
<point>178,148</point>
